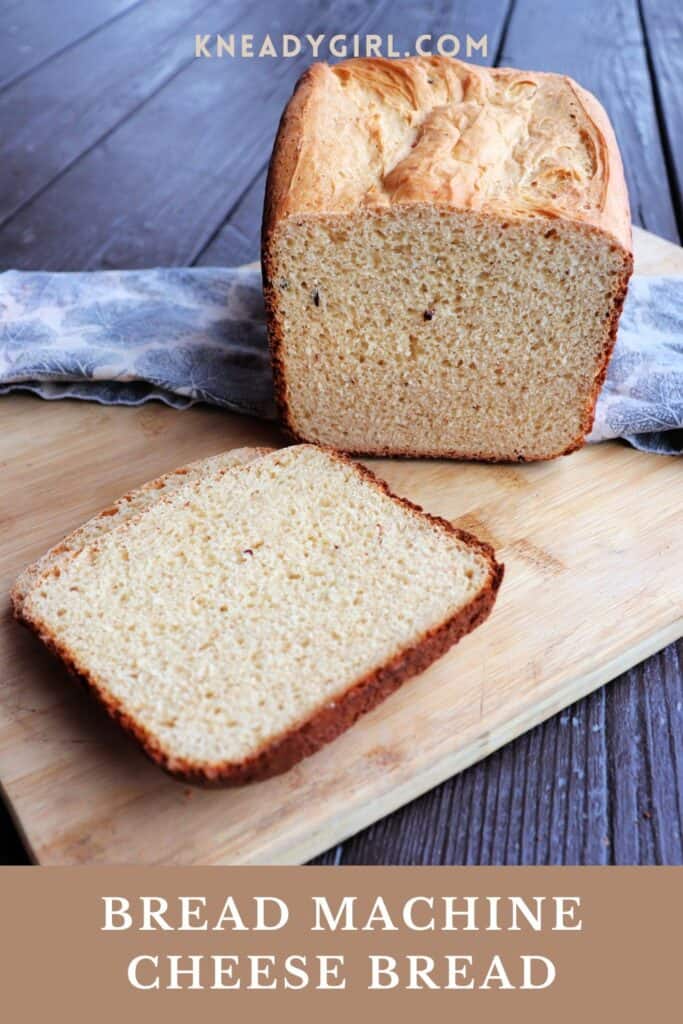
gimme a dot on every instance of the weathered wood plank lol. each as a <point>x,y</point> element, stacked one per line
<point>663,29</point>
<point>660,697</point>
<point>35,31</point>
<point>545,799</point>
<point>238,240</point>
<point>173,171</point>
<point>75,99</point>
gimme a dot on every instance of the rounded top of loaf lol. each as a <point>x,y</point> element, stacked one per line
<point>374,133</point>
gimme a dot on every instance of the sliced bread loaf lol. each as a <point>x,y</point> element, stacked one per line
<point>249,615</point>
<point>446,251</point>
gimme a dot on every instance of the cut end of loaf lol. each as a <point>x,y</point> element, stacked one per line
<point>248,617</point>
<point>432,332</point>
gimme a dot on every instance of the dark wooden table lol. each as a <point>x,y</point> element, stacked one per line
<point>119,149</point>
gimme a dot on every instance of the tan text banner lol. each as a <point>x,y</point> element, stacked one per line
<point>114,944</point>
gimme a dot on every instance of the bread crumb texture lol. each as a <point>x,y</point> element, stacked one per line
<point>232,609</point>
<point>446,253</point>
<point>125,508</point>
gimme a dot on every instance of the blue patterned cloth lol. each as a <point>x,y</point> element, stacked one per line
<point>198,335</point>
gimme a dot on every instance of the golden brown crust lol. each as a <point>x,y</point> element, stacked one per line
<point>288,145</point>
<point>615,215</point>
<point>333,718</point>
<point>437,130</point>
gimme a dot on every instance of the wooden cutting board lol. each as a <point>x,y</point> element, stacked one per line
<point>594,583</point>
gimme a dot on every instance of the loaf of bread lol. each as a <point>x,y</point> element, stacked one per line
<point>446,252</point>
<point>234,618</point>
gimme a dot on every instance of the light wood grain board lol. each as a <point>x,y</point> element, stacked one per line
<point>593,549</point>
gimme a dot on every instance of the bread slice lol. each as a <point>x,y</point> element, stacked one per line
<point>123,509</point>
<point>446,252</point>
<point>250,615</point>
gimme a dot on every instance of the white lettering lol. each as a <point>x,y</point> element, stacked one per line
<point>225,45</point>
<point>479,45</point>
<point>314,42</point>
<point>291,46</point>
<point>223,967</point>
<point>550,972</point>
<point>456,971</point>
<point>496,973</point>
<point>200,49</point>
<point>336,49</point>
<point>116,906</point>
<point>153,910</point>
<point>345,911</point>
<point>329,972</point>
<point>193,971</point>
<point>230,913</point>
<point>133,972</point>
<point>383,966</point>
<point>448,46</point>
<point>408,918</point>
<point>278,905</point>
<point>190,911</point>
<point>420,977</point>
<point>566,907</point>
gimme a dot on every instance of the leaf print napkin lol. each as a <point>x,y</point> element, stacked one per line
<point>198,335</point>
<point>125,337</point>
<point>642,400</point>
